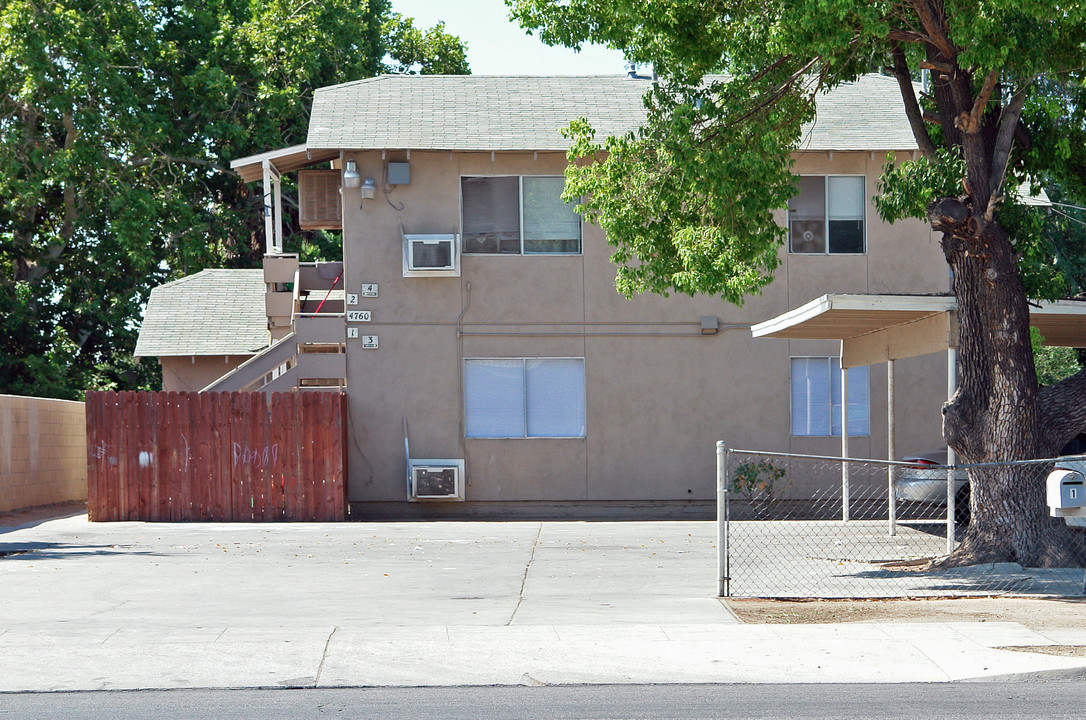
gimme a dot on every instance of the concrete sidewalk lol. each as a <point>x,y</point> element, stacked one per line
<point>137,605</point>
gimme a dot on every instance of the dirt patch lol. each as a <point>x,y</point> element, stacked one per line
<point>41,513</point>
<point>1034,613</point>
<point>1061,650</point>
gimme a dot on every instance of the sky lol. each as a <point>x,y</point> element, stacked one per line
<point>498,46</point>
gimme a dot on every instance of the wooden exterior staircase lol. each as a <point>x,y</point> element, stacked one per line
<point>308,348</point>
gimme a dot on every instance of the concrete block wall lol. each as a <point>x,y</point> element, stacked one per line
<point>43,452</point>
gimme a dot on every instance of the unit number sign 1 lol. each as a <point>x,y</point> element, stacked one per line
<point>358,316</point>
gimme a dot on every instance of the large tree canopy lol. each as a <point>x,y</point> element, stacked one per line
<point>689,200</point>
<point>118,119</point>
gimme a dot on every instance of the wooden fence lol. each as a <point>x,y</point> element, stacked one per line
<point>216,456</point>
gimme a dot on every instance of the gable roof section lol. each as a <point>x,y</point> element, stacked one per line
<point>868,114</point>
<point>509,113</point>
<point>214,312</point>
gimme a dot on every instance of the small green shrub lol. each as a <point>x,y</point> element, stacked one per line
<point>760,480</point>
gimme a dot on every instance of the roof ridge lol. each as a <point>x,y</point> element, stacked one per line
<point>349,83</point>
<point>193,276</point>
<point>180,280</point>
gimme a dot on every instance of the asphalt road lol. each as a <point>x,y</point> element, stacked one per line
<point>988,700</point>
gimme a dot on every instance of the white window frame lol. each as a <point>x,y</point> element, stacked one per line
<point>826,216</point>
<point>520,202</point>
<point>524,389</point>
<point>831,369</point>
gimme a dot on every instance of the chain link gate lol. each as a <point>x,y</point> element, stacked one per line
<point>792,525</point>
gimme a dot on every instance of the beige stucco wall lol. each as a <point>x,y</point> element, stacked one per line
<point>43,452</point>
<point>656,402</point>
<point>192,373</point>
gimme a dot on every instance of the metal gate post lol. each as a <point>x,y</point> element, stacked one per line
<point>723,559</point>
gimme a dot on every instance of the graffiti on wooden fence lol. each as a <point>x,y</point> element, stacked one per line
<point>216,456</point>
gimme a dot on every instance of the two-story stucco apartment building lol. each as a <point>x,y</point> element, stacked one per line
<point>475,310</point>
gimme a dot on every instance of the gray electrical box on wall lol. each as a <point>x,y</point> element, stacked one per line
<point>399,173</point>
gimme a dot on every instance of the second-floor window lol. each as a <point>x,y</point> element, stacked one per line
<point>827,216</point>
<point>518,215</point>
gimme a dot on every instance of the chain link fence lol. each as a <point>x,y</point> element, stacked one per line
<point>809,526</point>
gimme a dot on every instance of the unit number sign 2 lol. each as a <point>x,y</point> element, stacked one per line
<point>358,316</point>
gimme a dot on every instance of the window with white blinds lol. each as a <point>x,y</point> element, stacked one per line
<point>524,397</point>
<point>816,398</point>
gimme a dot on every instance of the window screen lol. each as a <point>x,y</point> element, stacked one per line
<point>550,225</point>
<point>845,200</point>
<point>491,214</point>
<point>807,216</point>
<point>524,397</point>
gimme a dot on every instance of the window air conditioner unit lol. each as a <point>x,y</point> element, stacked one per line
<point>431,256</point>
<point>436,480</point>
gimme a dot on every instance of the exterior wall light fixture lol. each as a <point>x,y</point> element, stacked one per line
<point>351,178</point>
<point>369,189</point>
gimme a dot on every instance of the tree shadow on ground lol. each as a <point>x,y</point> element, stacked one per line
<point>989,578</point>
<point>16,551</point>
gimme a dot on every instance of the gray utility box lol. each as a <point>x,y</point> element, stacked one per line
<point>1066,493</point>
<point>399,173</point>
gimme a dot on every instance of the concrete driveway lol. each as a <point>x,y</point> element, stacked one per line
<point>139,605</point>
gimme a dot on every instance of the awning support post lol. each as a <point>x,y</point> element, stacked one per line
<point>844,439</point>
<point>273,208</point>
<point>891,448</point>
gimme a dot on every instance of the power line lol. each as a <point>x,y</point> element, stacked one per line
<point>1072,219</point>
<point>1066,205</point>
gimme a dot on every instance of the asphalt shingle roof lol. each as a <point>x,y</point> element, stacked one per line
<point>214,312</point>
<point>509,113</point>
<point>865,115</point>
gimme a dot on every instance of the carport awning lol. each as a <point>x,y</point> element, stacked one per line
<point>877,328</point>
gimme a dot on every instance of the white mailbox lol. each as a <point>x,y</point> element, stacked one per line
<point>1066,491</point>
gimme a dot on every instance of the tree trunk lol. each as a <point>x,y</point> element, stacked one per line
<point>996,414</point>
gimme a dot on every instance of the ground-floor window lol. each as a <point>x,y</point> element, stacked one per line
<point>524,397</point>
<point>816,398</point>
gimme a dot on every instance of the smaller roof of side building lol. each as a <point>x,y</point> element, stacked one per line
<point>214,312</point>
<point>509,113</point>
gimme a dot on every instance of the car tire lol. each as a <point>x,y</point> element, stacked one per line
<point>961,506</point>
